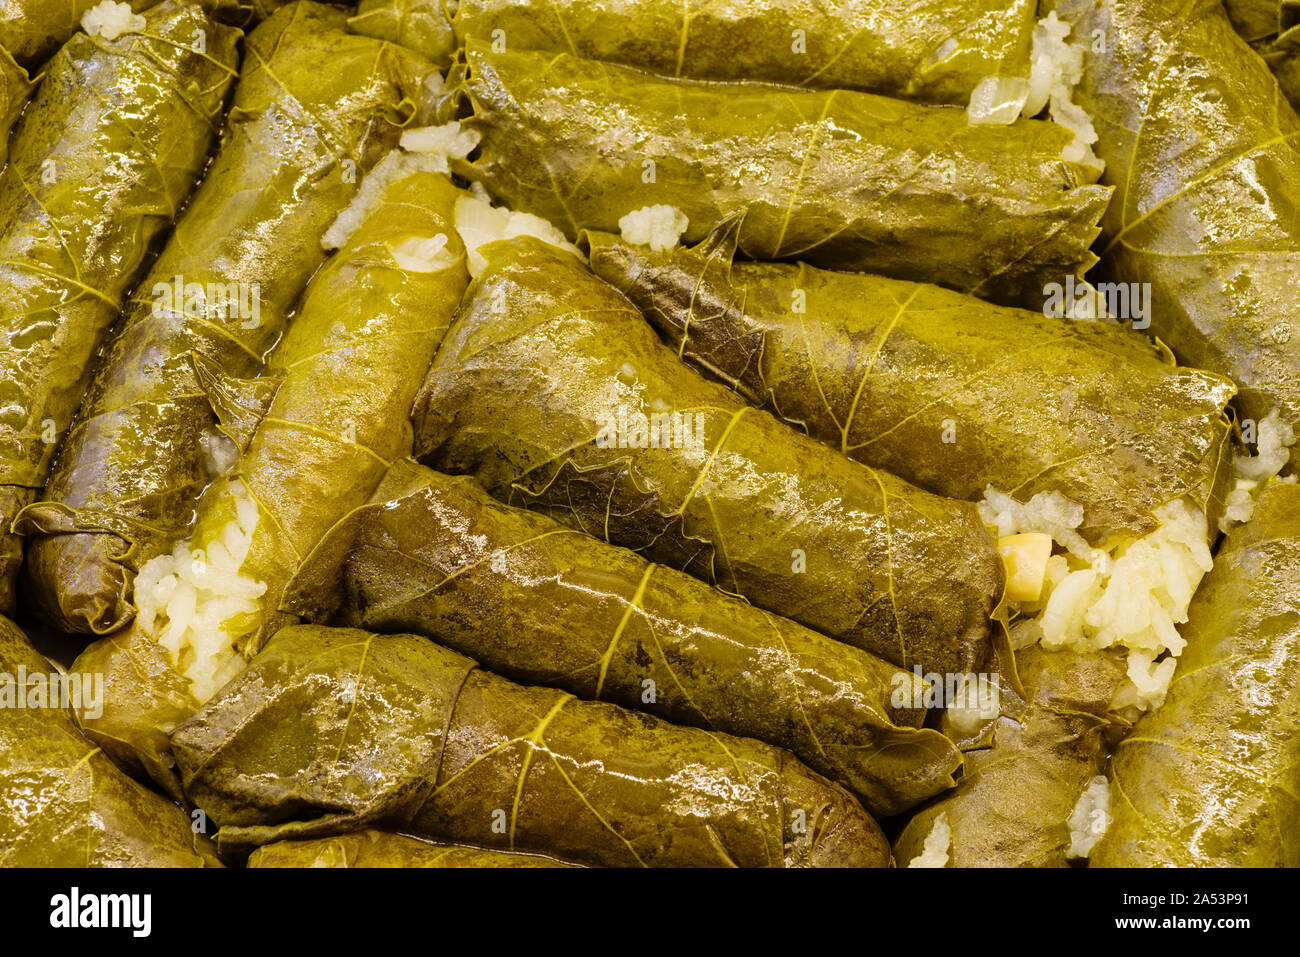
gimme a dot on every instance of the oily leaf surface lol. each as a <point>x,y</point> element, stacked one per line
<point>1212,778</point>
<point>372,848</point>
<point>421,25</point>
<point>15,88</point>
<point>315,108</point>
<point>931,51</point>
<point>1203,150</point>
<point>101,161</point>
<point>1012,806</point>
<point>544,604</point>
<point>63,803</point>
<point>330,730</point>
<point>542,362</point>
<point>1272,28</point>
<point>347,372</point>
<point>341,384</point>
<point>838,178</point>
<point>941,389</point>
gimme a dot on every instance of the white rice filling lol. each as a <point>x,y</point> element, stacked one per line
<point>193,601</point>
<point>935,851</point>
<point>418,254</point>
<point>480,223</point>
<point>1132,595</point>
<point>111,20</point>
<point>1090,818</point>
<point>220,454</point>
<point>1056,67</point>
<point>428,149</point>
<point>973,706</point>
<point>1273,443</point>
<point>659,227</point>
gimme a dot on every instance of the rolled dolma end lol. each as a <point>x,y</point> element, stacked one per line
<point>1021,786</point>
<point>316,108</point>
<point>1212,778</point>
<point>545,389</point>
<point>333,730</point>
<point>867,365</point>
<point>372,848</point>
<point>436,555</point>
<point>993,211</point>
<point>933,51</point>
<point>63,803</point>
<point>144,699</point>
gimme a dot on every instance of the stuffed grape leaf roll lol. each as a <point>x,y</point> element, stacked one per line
<point>1204,152</point>
<point>333,730</point>
<point>371,848</point>
<point>838,178</point>
<point>941,389</point>
<point>1212,778</point>
<point>63,803</point>
<point>553,391</point>
<point>544,604</point>
<point>932,51</point>
<point>315,108</point>
<point>102,160</point>
<point>344,378</point>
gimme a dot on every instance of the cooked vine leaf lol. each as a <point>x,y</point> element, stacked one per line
<point>838,178</point>
<point>421,25</point>
<point>344,378</point>
<point>315,108</point>
<point>32,30</point>
<point>1205,155</point>
<point>1013,804</point>
<point>63,803</point>
<point>1272,28</point>
<point>333,730</point>
<point>941,389</point>
<point>532,392</point>
<point>348,371</point>
<point>544,604</point>
<point>103,158</point>
<point>371,848</point>
<point>145,699</point>
<point>1212,778</point>
<point>932,51</point>
<point>15,88</point>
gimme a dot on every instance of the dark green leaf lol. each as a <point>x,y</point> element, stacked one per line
<point>838,178</point>
<point>544,604</point>
<point>332,730</point>
<point>543,355</point>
